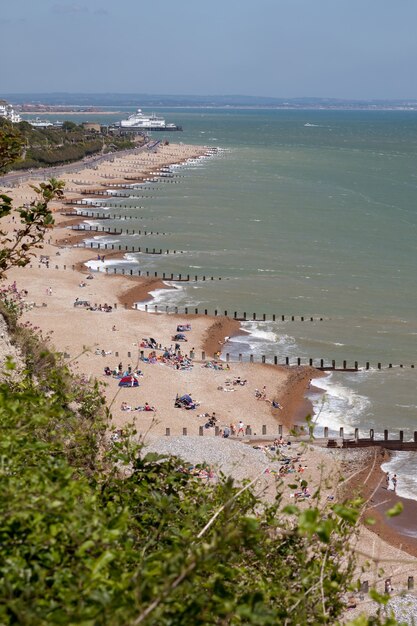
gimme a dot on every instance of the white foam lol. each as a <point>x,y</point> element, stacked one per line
<point>404,464</point>
<point>100,239</point>
<point>262,339</point>
<point>100,266</point>
<point>160,295</point>
<point>340,406</point>
<point>92,201</point>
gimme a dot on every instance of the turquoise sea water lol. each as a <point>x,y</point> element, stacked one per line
<point>308,213</point>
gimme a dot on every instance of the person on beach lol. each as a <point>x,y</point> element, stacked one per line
<point>240,428</point>
<point>226,432</point>
<point>394,482</point>
<point>387,480</point>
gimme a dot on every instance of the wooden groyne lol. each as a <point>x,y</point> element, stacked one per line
<point>115,231</point>
<point>365,442</point>
<point>323,364</point>
<point>104,216</point>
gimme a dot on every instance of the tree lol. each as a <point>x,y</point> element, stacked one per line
<point>67,125</point>
<point>33,219</point>
<point>11,144</point>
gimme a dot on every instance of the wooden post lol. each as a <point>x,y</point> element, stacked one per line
<point>227,357</point>
<point>240,358</point>
<point>410,583</point>
<point>263,358</point>
<point>401,436</point>
<point>216,431</point>
<point>385,435</point>
<point>326,432</point>
<point>201,431</point>
<point>371,433</point>
<point>280,430</point>
<point>264,429</point>
<point>167,432</point>
<point>251,358</point>
<point>184,432</point>
<point>248,430</point>
<point>341,432</point>
<point>275,360</point>
<point>203,356</point>
<point>356,434</point>
<point>287,360</point>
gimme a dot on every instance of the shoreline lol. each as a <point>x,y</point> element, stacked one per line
<point>288,385</point>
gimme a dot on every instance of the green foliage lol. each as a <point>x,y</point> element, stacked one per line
<point>54,146</point>
<point>397,509</point>
<point>95,531</point>
<point>69,125</point>
<point>16,248</point>
<point>11,145</point>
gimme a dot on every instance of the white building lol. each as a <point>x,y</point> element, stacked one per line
<point>7,111</point>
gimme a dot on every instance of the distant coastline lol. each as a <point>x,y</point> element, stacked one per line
<point>100,101</point>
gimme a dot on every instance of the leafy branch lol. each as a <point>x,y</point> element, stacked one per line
<point>35,219</point>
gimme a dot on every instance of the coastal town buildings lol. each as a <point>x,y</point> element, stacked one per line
<point>7,111</point>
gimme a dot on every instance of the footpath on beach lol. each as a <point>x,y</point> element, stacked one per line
<point>94,325</point>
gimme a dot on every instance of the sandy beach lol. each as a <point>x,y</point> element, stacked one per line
<point>93,340</point>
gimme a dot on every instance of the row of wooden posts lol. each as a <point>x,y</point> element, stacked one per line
<point>316,363</point>
<point>279,432</point>
<point>125,249</point>
<point>115,231</point>
<point>320,364</point>
<point>104,216</point>
<point>364,586</point>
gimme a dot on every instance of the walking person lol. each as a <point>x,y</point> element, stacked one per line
<point>241,428</point>
<point>394,482</point>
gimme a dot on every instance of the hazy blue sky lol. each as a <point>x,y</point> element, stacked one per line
<point>282,48</point>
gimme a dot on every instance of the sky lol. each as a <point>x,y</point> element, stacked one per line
<point>351,49</point>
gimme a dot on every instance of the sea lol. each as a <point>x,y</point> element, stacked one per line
<point>307,213</point>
